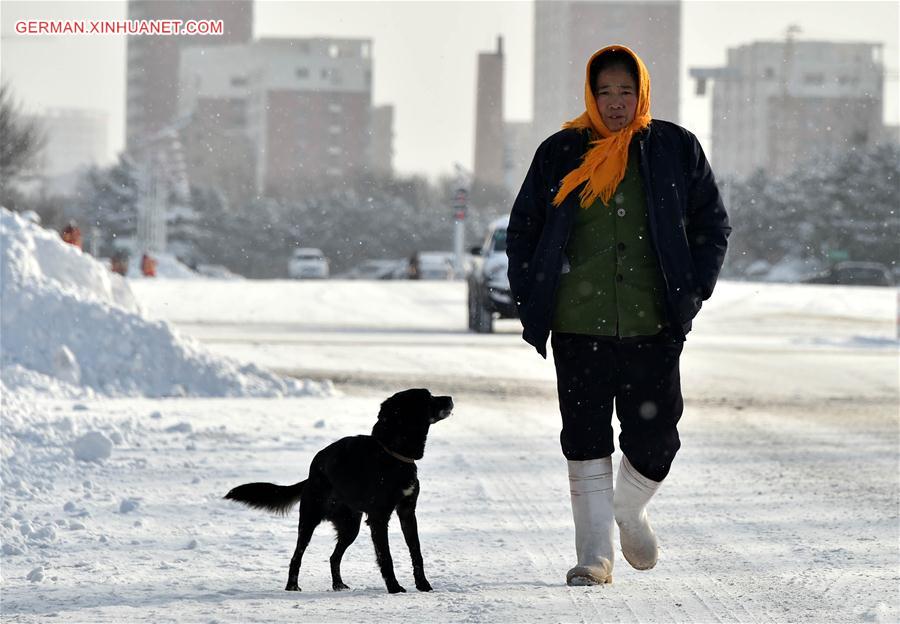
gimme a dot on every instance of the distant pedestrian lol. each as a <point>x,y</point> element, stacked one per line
<point>72,234</point>
<point>413,268</point>
<point>148,265</point>
<point>615,239</point>
<point>119,262</point>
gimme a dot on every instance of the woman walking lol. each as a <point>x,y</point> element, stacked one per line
<point>616,238</point>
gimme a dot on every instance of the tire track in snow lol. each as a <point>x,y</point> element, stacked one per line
<point>534,515</point>
<point>501,494</point>
<point>712,600</point>
<point>807,563</point>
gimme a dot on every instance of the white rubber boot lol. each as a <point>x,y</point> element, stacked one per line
<point>591,487</point>
<point>633,492</point>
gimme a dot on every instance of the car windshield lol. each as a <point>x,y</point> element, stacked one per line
<point>499,240</point>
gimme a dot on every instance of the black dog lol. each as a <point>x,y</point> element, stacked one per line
<point>361,474</point>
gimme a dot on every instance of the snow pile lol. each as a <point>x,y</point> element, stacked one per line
<point>33,255</point>
<point>71,328</point>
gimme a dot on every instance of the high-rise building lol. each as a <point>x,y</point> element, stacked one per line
<point>292,112</point>
<point>75,138</point>
<point>778,103</point>
<point>566,33</point>
<point>383,139</point>
<point>214,98</point>
<point>518,151</point>
<point>152,61</point>
<point>489,149</point>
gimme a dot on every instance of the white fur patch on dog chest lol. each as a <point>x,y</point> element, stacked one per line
<point>408,491</point>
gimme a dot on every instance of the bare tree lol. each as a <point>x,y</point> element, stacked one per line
<point>21,140</point>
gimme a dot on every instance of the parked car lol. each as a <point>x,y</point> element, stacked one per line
<point>378,270</point>
<point>217,271</point>
<point>488,285</point>
<point>855,274</point>
<point>308,262</point>
<point>436,265</point>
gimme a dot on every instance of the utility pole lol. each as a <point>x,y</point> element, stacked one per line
<point>460,204</point>
<point>161,171</point>
<point>782,138</point>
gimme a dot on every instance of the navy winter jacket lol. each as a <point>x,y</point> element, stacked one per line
<point>688,224</point>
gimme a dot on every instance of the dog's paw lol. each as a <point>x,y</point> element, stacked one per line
<point>396,589</point>
<point>423,585</point>
<point>292,586</point>
<point>339,586</point>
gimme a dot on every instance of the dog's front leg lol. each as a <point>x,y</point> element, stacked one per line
<point>407,512</point>
<point>379,527</point>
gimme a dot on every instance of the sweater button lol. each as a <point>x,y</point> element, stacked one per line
<point>621,246</point>
<point>619,277</point>
<point>620,212</point>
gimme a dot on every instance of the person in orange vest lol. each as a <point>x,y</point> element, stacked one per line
<point>72,234</point>
<point>148,265</point>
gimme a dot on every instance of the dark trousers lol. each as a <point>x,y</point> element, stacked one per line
<point>639,375</point>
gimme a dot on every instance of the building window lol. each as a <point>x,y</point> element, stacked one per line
<point>769,73</point>
<point>302,72</point>
<point>334,51</point>
<point>334,129</point>
<point>238,81</point>
<point>334,107</point>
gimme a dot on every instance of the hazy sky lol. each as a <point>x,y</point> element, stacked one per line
<point>425,56</point>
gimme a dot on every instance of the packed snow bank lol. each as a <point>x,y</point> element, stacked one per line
<point>72,328</point>
<point>35,256</point>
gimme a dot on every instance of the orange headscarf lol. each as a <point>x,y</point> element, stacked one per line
<point>603,166</point>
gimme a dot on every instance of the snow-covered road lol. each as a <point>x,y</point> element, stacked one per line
<point>771,344</point>
<point>782,505</point>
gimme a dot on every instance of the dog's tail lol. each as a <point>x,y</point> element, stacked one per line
<point>268,496</point>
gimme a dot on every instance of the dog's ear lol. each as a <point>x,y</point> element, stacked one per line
<point>404,401</point>
<point>391,406</point>
<point>385,410</point>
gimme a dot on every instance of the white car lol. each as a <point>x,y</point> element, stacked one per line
<point>436,265</point>
<point>308,263</point>
<point>488,284</point>
<point>378,270</point>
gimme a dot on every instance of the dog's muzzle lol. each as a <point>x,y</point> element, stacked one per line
<point>445,404</point>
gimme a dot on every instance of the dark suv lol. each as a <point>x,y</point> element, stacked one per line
<point>488,285</point>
